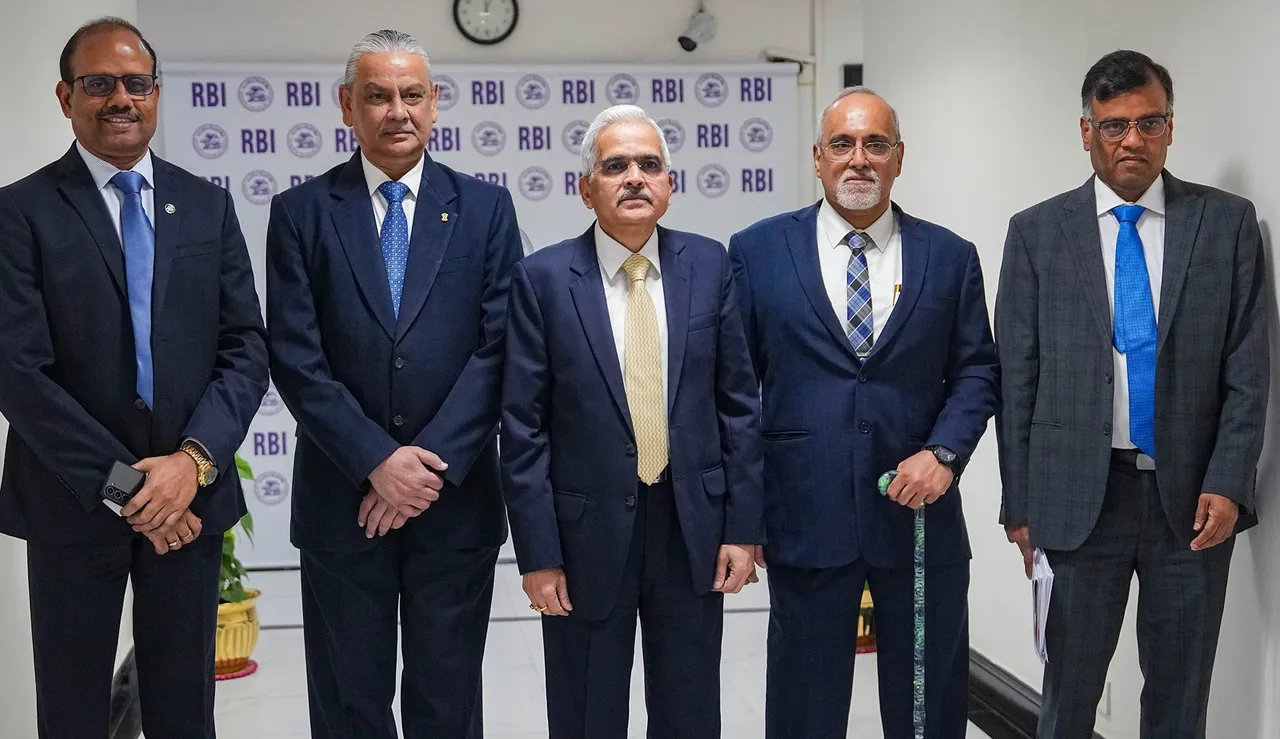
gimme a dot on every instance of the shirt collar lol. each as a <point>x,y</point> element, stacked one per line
<point>612,254</point>
<point>103,171</point>
<point>837,227</point>
<point>1152,199</point>
<point>374,177</point>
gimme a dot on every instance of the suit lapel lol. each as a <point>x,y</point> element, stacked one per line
<point>915,263</point>
<point>1080,227</point>
<point>1182,221</point>
<point>166,229</point>
<point>802,240</point>
<point>433,219</point>
<point>587,290</point>
<point>353,220</point>
<point>675,289</point>
<point>79,189</point>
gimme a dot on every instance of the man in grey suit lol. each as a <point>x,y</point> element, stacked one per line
<point>1133,339</point>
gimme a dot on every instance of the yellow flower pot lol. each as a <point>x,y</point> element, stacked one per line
<point>237,634</point>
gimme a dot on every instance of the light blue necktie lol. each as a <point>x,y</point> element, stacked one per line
<point>1135,330</point>
<point>139,265</point>
<point>395,239</point>
<point>859,323</point>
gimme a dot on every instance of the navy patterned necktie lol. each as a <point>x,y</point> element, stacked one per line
<point>395,239</point>
<point>139,265</point>
<point>859,323</point>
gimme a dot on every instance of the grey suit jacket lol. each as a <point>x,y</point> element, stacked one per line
<point>1054,335</point>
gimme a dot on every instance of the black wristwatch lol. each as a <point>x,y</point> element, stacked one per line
<point>946,457</point>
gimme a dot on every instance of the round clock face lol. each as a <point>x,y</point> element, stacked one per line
<point>486,21</point>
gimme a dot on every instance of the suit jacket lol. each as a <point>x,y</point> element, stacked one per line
<point>832,425</point>
<point>568,448</point>
<point>68,375</point>
<point>1054,330</point>
<point>361,383</point>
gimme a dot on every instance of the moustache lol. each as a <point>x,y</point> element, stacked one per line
<point>132,115</point>
<point>634,195</point>
<point>856,175</point>
<point>393,131</point>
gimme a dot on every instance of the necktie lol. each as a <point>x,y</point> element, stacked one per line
<point>643,374</point>
<point>1135,327</point>
<point>859,324</point>
<point>139,264</point>
<point>395,239</point>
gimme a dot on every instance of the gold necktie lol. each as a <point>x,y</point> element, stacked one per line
<point>642,375</point>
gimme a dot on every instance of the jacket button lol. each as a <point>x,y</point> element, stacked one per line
<point>862,377</point>
<point>631,450</point>
<point>1108,378</point>
<point>399,363</point>
<point>1106,429</point>
<point>865,427</point>
<point>630,501</point>
<point>140,404</point>
<point>398,420</point>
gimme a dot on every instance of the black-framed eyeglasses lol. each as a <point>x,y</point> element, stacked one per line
<point>1115,129</point>
<point>616,166</point>
<point>102,85</point>
<point>874,151</point>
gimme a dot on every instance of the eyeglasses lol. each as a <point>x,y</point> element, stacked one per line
<point>102,85</point>
<point>874,151</point>
<point>618,166</point>
<point>1115,129</point>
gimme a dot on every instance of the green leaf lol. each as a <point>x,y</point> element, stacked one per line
<point>243,468</point>
<point>246,523</point>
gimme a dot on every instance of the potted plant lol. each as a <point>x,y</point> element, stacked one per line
<point>237,633</point>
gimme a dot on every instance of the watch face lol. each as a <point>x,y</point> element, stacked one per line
<point>486,21</point>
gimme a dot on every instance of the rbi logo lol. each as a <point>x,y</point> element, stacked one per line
<point>623,89</point>
<point>673,132</point>
<point>256,94</point>
<point>447,97</point>
<point>756,134</point>
<point>535,183</point>
<point>210,141</point>
<point>573,135</point>
<point>711,89</point>
<point>526,243</point>
<point>271,488</point>
<point>304,140</point>
<point>713,180</point>
<point>488,138</point>
<point>259,186</point>
<point>533,91</point>
<point>271,403</point>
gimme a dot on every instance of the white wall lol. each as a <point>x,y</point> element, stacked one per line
<point>988,92</point>
<point>31,37</point>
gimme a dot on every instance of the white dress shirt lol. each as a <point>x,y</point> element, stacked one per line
<point>884,263</point>
<point>102,173</point>
<point>1151,231</point>
<point>617,286</point>
<point>374,178</point>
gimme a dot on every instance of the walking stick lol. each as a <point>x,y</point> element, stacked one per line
<point>917,708</point>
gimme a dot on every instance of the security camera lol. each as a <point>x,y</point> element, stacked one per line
<point>702,28</point>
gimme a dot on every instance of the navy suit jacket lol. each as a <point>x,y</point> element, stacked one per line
<point>361,383</point>
<point>68,375</point>
<point>568,449</point>
<point>832,424</point>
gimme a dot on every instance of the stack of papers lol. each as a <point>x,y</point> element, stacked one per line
<point>1041,590</point>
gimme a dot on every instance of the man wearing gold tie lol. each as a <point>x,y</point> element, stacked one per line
<point>630,447</point>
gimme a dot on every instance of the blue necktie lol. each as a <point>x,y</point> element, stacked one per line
<point>1135,331</point>
<point>139,264</point>
<point>858,324</point>
<point>395,239</point>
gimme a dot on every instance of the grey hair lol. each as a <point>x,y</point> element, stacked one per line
<point>858,90</point>
<point>385,41</point>
<point>608,117</point>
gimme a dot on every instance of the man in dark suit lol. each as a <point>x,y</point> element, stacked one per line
<point>630,456</point>
<point>130,332</point>
<point>386,294</point>
<point>868,329</point>
<point>1132,330</point>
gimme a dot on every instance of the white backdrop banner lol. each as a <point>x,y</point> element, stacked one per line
<point>257,130</point>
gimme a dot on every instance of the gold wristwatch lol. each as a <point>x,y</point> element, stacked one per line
<point>205,471</point>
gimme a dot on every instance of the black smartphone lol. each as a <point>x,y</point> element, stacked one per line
<point>123,482</point>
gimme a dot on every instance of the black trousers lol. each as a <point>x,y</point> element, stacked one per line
<point>350,604</point>
<point>813,625</point>
<point>77,596</point>
<point>589,662</point>
<point>1181,596</point>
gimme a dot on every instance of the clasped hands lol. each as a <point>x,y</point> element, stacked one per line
<point>402,487</point>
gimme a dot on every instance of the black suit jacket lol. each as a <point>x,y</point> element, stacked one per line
<point>361,383</point>
<point>67,370</point>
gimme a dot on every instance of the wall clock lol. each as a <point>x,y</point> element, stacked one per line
<point>486,21</point>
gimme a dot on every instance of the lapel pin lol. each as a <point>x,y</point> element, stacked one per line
<point>170,208</point>
<point>444,217</point>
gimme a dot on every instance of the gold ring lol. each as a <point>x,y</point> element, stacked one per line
<point>174,544</point>
<point>539,609</point>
